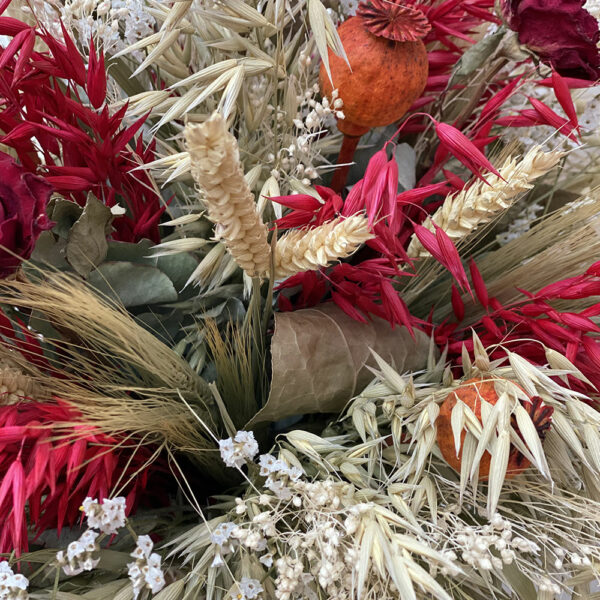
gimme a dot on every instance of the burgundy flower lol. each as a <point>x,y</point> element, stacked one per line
<point>23,200</point>
<point>561,32</point>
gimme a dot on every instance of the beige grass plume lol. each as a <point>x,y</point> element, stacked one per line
<point>216,168</point>
<point>464,211</point>
<point>309,249</point>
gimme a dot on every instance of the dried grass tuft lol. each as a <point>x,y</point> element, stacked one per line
<point>121,377</point>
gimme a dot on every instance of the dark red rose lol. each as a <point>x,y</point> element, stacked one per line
<point>561,32</point>
<point>23,200</point>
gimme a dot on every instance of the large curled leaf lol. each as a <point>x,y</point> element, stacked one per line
<point>320,358</point>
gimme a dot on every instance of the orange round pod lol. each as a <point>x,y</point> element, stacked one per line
<point>387,73</point>
<point>388,69</point>
<point>471,392</point>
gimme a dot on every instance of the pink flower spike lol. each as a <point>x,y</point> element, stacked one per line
<point>479,285</point>
<point>549,117</point>
<point>458,305</point>
<point>563,95</point>
<point>464,149</point>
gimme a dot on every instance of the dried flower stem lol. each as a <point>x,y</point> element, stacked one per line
<point>308,250</point>
<point>216,168</point>
<point>464,211</point>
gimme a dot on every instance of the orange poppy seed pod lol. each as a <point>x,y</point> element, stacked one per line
<point>471,392</point>
<point>387,73</point>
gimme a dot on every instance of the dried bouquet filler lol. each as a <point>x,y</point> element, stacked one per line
<point>299,299</point>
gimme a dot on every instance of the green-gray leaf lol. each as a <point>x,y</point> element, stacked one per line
<point>133,284</point>
<point>86,241</point>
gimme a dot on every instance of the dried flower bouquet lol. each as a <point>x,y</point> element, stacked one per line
<point>299,299</point>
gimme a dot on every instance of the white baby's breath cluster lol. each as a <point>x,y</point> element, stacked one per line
<point>238,450</point>
<point>490,546</point>
<point>312,119</point>
<point>81,555</point>
<point>108,517</point>
<point>145,572</point>
<point>13,586</point>
<point>310,531</point>
<point>112,24</point>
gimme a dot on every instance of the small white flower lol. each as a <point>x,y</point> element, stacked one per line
<point>108,517</point>
<point>222,533</point>
<point>251,588</point>
<point>239,450</point>
<point>266,559</point>
<point>143,548</point>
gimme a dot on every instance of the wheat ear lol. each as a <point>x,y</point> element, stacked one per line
<point>16,386</point>
<point>310,249</point>
<point>216,168</point>
<point>463,212</point>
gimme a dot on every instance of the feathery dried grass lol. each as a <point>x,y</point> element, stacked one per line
<point>308,250</point>
<point>463,212</point>
<point>120,377</point>
<point>217,170</point>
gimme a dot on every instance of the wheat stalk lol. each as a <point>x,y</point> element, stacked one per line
<point>308,250</point>
<point>216,168</point>
<point>463,212</point>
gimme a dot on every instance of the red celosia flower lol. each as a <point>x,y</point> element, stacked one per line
<point>46,473</point>
<point>85,148</point>
<point>561,32</point>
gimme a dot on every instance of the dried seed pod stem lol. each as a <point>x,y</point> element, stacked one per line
<point>216,168</point>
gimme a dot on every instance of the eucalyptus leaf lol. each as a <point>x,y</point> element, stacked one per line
<point>178,267</point>
<point>133,284</point>
<point>65,214</point>
<point>321,358</point>
<point>406,159</point>
<point>86,241</point>
<point>137,253</point>
<point>477,55</point>
<point>50,250</point>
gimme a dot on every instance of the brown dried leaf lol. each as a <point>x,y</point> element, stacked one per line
<point>320,359</point>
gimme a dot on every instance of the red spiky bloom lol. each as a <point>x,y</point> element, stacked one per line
<point>47,473</point>
<point>77,147</point>
<point>393,21</point>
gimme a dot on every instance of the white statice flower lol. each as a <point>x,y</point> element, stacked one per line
<point>81,555</point>
<point>239,450</point>
<point>13,586</point>
<point>146,572</point>
<point>108,517</point>
<point>278,475</point>
<point>222,534</point>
